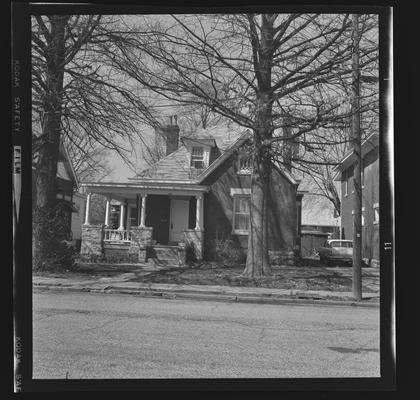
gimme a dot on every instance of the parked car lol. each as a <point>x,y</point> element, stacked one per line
<point>336,250</point>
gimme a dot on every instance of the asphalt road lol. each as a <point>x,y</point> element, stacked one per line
<point>111,336</point>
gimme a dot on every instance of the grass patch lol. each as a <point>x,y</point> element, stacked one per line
<point>314,277</point>
<point>283,277</point>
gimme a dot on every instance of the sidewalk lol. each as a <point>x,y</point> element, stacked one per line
<point>121,284</point>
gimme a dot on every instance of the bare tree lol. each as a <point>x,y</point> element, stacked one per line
<point>91,163</point>
<point>254,70</point>
<point>77,99</point>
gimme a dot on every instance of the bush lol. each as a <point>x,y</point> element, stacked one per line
<point>227,252</point>
<point>51,239</point>
<point>190,254</point>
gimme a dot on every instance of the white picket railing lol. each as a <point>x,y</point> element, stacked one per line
<point>117,235</point>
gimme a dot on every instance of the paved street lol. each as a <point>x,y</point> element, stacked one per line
<point>87,336</point>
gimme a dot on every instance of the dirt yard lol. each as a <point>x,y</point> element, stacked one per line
<point>315,277</point>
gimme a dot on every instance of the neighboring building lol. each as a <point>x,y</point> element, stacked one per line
<point>197,195</point>
<point>79,201</point>
<point>370,197</point>
<point>65,184</point>
<point>319,220</point>
<point>318,214</point>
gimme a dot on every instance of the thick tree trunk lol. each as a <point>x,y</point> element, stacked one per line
<point>257,261</point>
<point>46,172</point>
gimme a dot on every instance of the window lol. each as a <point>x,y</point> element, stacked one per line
<point>241,214</point>
<point>376,213</point>
<point>197,157</point>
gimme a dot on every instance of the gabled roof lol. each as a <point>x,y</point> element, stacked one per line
<point>225,155</point>
<point>65,168</point>
<point>176,166</point>
<point>203,140</point>
<point>66,165</point>
<point>370,143</point>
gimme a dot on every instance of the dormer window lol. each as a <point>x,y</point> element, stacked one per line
<point>197,157</point>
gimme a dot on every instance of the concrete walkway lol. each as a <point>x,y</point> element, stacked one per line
<point>121,284</point>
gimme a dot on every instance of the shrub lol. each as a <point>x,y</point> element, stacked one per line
<point>55,250</point>
<point>227,252</point>
<point>190,254</point>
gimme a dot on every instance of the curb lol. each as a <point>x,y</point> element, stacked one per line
<point>242,298</point>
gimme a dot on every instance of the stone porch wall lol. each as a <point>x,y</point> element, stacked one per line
<point>194,239</point>
<point>94,247</point>
<point>117,251</point>
<point>141,239</point>
<point>92,243</point>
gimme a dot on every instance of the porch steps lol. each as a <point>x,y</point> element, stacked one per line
<point>164,256</point>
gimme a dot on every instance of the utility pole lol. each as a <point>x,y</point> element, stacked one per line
<point>356,144</point>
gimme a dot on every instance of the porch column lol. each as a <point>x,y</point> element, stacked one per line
<point>127,219</point>
<point>138,209</point>
<point>121,227</point>
<point>143,210</point>
<point>199,212</point>
<point>107,212</point>
<point>87,209</point>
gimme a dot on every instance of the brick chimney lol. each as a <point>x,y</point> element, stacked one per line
<point>167,135</point>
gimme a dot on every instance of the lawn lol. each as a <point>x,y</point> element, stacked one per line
<point>283,277</point>
<point>303,277</point>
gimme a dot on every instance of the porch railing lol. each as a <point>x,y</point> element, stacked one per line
<point>117,235</point>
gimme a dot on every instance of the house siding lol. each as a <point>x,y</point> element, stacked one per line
<point>62,186</point>
<point>370,196</point>
<point>218,209</point>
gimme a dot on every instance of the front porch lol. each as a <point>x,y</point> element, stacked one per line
<point>145,225</point>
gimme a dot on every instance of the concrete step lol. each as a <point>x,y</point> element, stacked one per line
<point>164,255</point>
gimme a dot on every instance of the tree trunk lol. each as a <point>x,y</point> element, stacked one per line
<point>45,176</point>
<point>257,261</point>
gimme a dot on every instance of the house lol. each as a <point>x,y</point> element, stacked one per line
<point>319,223</point>
<point>65,184</point>
<point>193,198</point>
<point>370,197</point>
<point>77,218</point>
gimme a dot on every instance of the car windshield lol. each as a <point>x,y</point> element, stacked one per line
<point>339,243</point>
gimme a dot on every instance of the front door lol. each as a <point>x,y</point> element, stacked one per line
<point>179,218</point>
<point>157,216</point>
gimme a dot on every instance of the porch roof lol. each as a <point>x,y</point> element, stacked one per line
<point>129,190</point>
